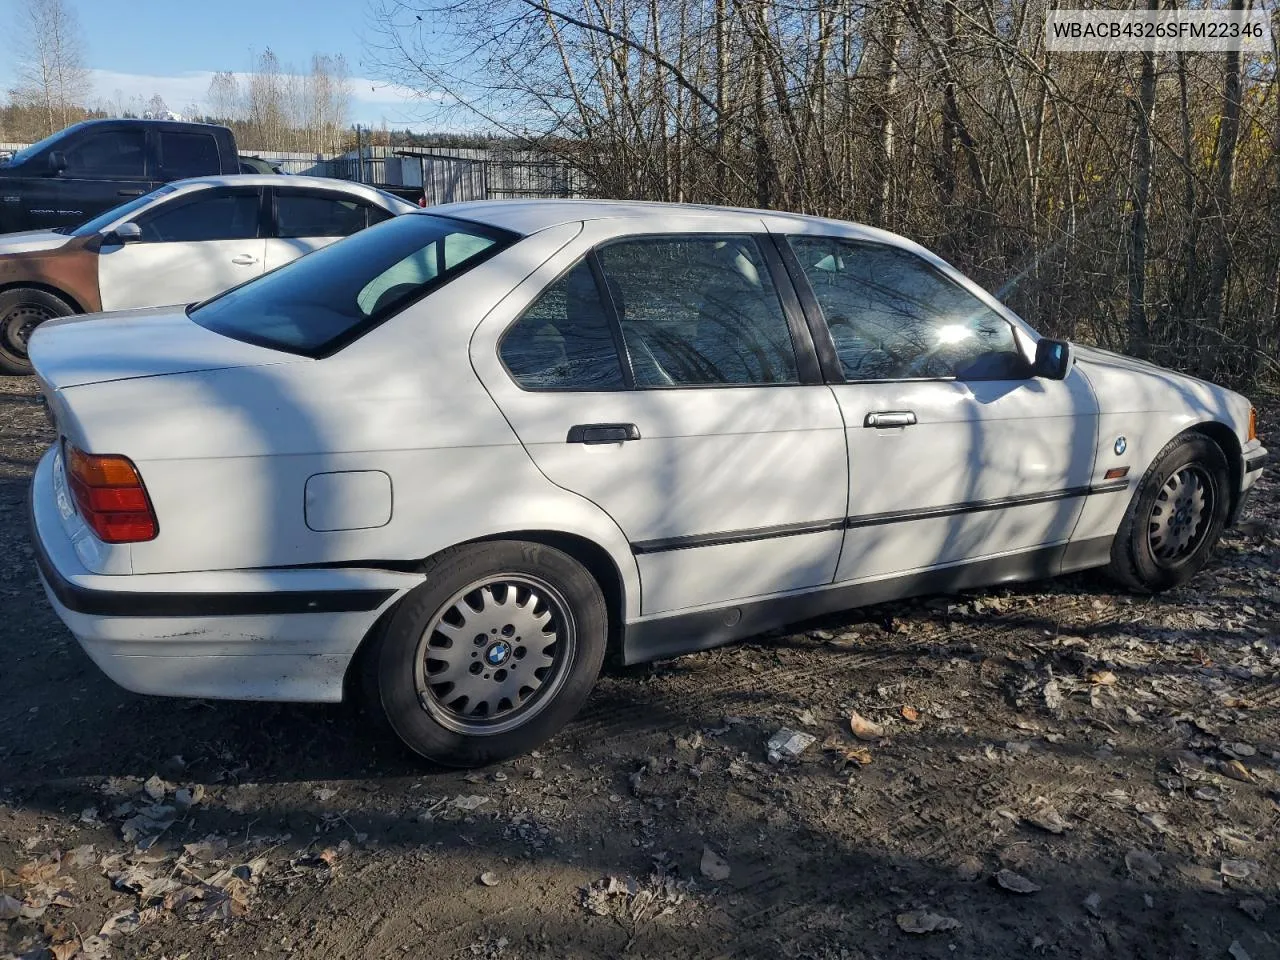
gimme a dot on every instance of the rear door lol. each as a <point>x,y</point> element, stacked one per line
<point>307,220</point>
<point>670,380</point>
<point>956,453</point>
<point>105,168</point>
<point>193,246</point>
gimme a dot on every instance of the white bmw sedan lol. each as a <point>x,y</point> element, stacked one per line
<point>184,242</point>
<point>454,460</point>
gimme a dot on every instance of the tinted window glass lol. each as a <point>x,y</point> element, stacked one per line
<point>341,290</point>
<point>189,155</point>
<point>208,215</point>
<point>893,316</point>
<point>115,213</point>
<point>564,341</point>
<point>112,153</point>
<point>699,310</point>
<point>298,215</point>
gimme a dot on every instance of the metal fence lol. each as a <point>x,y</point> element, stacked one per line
<point>450,179</point>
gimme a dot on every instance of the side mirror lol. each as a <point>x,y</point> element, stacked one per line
<point>57,162</point>
<point>126,233</point>
<point>1053,359</point>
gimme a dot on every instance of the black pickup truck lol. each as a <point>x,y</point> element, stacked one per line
<point>90,167</point>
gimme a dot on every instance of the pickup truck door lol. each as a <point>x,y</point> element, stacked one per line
<point>105,168</point>
<point>192,246</point>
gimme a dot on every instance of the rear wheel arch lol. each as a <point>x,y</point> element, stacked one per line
<point>595,558</point>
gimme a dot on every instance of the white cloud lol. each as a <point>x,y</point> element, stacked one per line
<point>371,99</point>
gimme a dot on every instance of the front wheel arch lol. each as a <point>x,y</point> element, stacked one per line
<point>1227,441</point>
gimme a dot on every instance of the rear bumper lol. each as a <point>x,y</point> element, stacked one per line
<point>271,634</point>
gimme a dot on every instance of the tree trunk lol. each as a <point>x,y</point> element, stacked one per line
<point>1139,333</point>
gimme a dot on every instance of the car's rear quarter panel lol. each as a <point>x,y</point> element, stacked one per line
<point>226,454</point>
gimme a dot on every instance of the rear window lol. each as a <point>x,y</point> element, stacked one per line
<point>328,298</point>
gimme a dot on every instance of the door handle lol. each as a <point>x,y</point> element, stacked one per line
<point>245,259</point>
<point>603,433</point>
<point>890,418</point>
<point>129,193</point>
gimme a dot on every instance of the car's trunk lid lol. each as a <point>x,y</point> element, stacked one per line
<point>73,351</point>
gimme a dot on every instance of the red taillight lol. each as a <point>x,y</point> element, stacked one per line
<point>111,497</point>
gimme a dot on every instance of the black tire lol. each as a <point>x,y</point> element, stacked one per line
<point>1146,556</point>
<point>417,708</point>
<point>22,309</point>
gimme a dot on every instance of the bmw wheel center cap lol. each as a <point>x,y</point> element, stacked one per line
<point>498,654</point>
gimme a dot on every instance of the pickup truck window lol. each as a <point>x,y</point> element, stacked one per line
<point>111,153</point>
<point>185,155</point>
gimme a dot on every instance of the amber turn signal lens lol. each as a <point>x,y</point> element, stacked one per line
<point>111,497</point>
<point>1253,424</point>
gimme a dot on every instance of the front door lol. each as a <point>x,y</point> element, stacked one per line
<point>192,247</point>
<point>956,453</point>
<point>105,168</point>
<point>662,378</point>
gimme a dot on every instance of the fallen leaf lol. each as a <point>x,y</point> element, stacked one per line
<point>713,866</point>
<point>489,879</point>
<point>1142,865</point>
<point>64,950</point>
<point>1049,819</point>
<point>469,801</point>
<point>1103,678</point>
<point>922,921</point>
<point>910,714</point>
<point>1015,882</point>
<point>1157,822</point>
<point>155,788</point>
<point>1236,869</point>
<point>1052,695</point>
<point>10,908</point>
<point>863,728</point>
<point>1236,770</point>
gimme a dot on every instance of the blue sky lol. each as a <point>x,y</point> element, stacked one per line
<point>143,47</point>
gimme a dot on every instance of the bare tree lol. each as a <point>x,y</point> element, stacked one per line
<point>48,51</point>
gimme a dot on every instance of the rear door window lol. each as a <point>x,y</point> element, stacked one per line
<point>188,155</point>
<point>317,215</point>
<point>565,341</point>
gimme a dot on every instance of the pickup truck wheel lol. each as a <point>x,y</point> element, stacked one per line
<point>492,655</point>
<point>1176,517</point>
<point>22,310</point>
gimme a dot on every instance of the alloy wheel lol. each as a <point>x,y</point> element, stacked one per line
<point>495,654</point>
<point>1180,515</point>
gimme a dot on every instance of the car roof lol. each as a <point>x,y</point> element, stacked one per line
<point>293,182</point>
<point>530,216</point>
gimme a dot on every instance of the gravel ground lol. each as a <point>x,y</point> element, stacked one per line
<point>1051,770</point>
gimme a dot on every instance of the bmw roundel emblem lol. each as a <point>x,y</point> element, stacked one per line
<point>497,654</point>
<point>1121,445</point>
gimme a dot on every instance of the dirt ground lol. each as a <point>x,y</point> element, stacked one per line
<point>1053,770</point>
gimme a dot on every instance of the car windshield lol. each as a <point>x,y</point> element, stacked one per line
<point>332,296</point>
<point>98,223</point>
